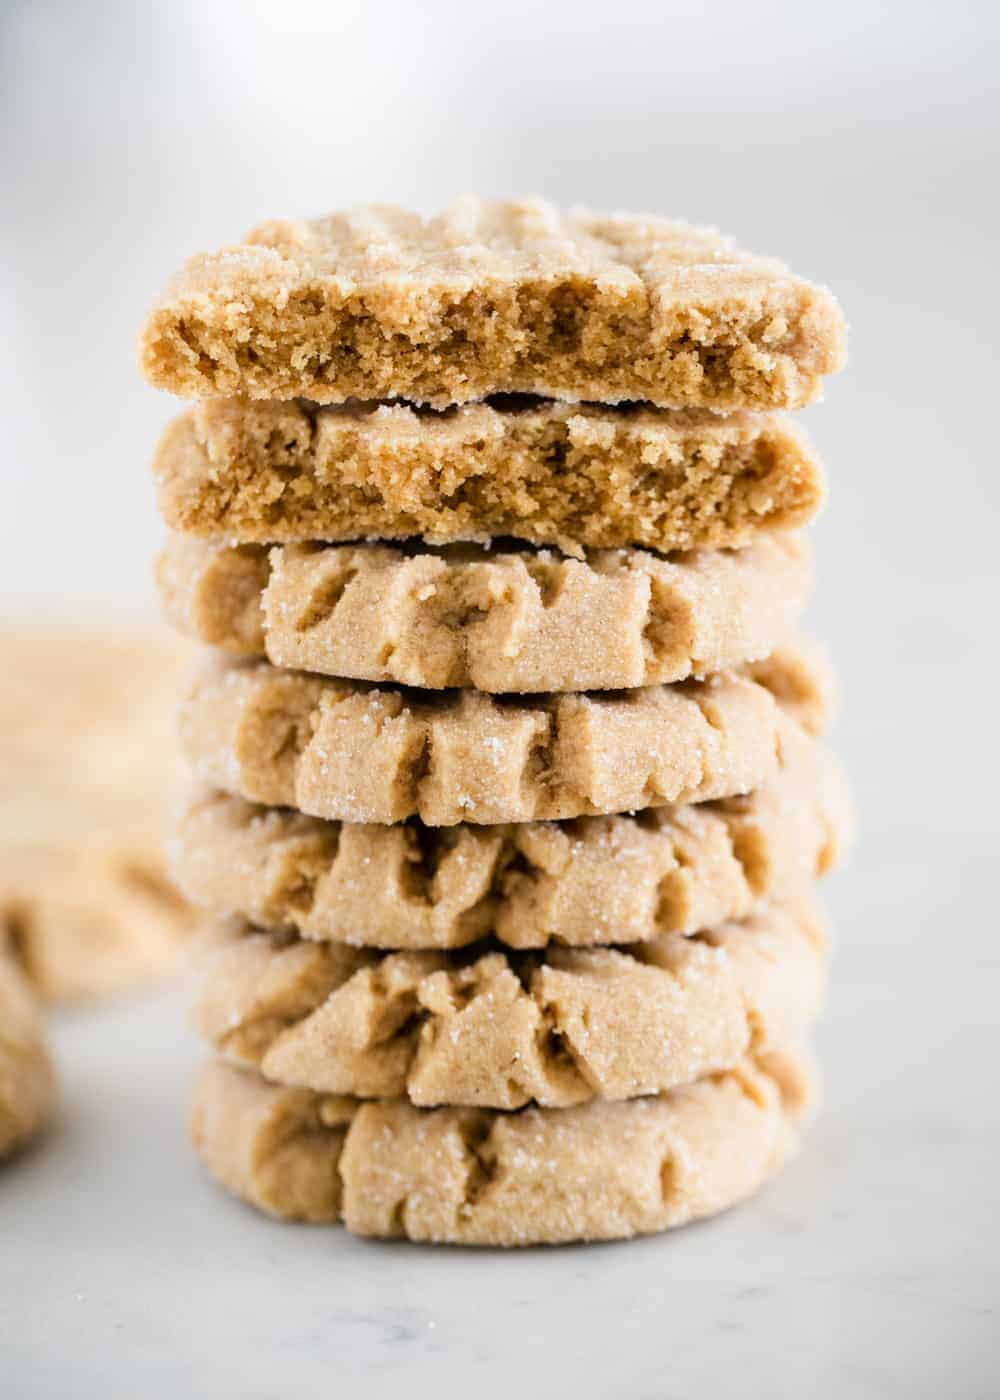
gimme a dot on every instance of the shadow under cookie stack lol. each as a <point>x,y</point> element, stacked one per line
<point>506,793</point>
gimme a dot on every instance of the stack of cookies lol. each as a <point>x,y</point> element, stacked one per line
<point>507,792</point>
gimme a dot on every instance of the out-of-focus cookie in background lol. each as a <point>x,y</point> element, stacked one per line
<point>27,1077</point>
<point>86,757</point>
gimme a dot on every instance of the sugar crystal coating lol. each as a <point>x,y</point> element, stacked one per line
<point>499,620</point>
<point>590,881</point>
<point>495,1029</point>
<point>359,753</point>
<point>598,1171</point>
<point>493,297</point>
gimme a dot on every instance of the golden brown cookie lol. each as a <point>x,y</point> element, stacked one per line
<point>27,1081</point>
<point>496,1029</point>
<point>91,919</point>
<point>86,748</point>
<point>594,880</point>
<point>570,475</point>
<point>87,722</point>
<point>600,1171</point>
<point>357,753</point>
<point>802,678</point>
<point>496,620</point>
<point>492,297</point>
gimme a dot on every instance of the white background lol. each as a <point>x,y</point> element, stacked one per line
<point>858,141</point>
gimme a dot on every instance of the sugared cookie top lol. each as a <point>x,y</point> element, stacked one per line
<point>595,1171</point>
<point>357,753</point>
<point>494,1029</point>
<point>597,880</point>
<point>492,297</point>
<point>502,620</point>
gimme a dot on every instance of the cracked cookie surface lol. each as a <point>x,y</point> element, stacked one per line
<point>27,1080</point>
<point>496,620</point>
<point>495,1029</point>
<point>570,475</point>
<point>599,1171</point>
<point>592,880</point>
<point>492,297</point>
<point>360,753</point>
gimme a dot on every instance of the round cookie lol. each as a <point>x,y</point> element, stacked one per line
<point>574,476</point>
<point>27,1081</point>
<point>357,753</point>
<point>802,679</point>
<point>86,742</point>
<point>600,1171</point>
<point>500,620</point>
<point>593,880</point>
<point>488,297</point>
<point>93,918</point>
<point>501,1030</point>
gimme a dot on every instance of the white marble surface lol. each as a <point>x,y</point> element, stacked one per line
<point>870,1269</point>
